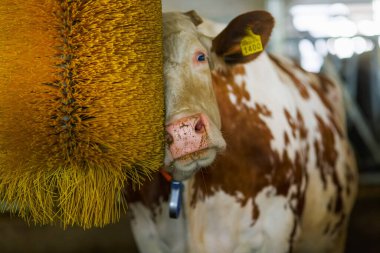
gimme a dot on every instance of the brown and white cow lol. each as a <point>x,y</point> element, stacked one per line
<point>285,180</point>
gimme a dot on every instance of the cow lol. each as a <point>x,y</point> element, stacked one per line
<point>259,144</point>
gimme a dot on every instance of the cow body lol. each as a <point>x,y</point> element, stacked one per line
<point>286,181</point>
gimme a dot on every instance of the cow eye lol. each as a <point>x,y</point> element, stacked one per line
<point>201,57</point>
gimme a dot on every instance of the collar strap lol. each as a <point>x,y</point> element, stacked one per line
<point>166,175</point>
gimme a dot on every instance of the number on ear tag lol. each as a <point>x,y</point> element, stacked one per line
<point>251,43</point>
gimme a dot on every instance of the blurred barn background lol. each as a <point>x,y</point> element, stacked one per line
<point>342,37</point>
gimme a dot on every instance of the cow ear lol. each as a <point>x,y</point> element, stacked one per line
<point>195,18</point>
<point>244,38</point>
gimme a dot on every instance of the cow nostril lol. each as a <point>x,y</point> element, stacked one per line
<point>169,139</point>
<point>199,127</point>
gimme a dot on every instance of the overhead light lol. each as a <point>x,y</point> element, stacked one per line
<point>344,47</point>
<point>368,28</point>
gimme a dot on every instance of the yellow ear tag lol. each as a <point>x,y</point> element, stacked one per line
<point>251,43</point>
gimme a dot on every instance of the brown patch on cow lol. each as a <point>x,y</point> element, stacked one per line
<point>325,150</point>
<point>239,91</point>
<point>324,88</point>
<point>227,43</point>
<point>238,70</point>
<point>323,97</point>
<point>296,124</point>
<point>195,18</point>
<point>291,123</point>
<point>326,160</point>
<point>325,83</point>
<point>300,86</point>
<point>286,138</point>
<point>263,110</point>
<point>249,164</point>
<point>301,126</point>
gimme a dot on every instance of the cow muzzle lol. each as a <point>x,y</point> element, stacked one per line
<point>190,145</point>
<point>187,136</point>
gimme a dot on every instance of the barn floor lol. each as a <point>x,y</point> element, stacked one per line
<point>364,229</point>
<point>16,236</point>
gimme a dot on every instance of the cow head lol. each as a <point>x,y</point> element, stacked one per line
<point>192,117</point>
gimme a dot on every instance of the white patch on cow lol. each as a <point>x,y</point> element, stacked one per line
<point>220,224</point>
<point>294,203</point>
<point>158,234</point>
<point>239,79</point>
<point>275,220</point>
<point>232,97</point>
<point>229,88</point>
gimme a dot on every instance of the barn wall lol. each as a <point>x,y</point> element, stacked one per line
<point>218,10</point>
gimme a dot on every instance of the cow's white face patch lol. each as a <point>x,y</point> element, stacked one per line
<point>189,92</point>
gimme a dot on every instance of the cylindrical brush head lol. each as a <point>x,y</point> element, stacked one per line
<point>81,106</point>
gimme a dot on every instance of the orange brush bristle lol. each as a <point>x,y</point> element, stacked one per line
<point>81,106</point>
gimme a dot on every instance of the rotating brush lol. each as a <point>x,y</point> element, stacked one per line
<point>81,106</point>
